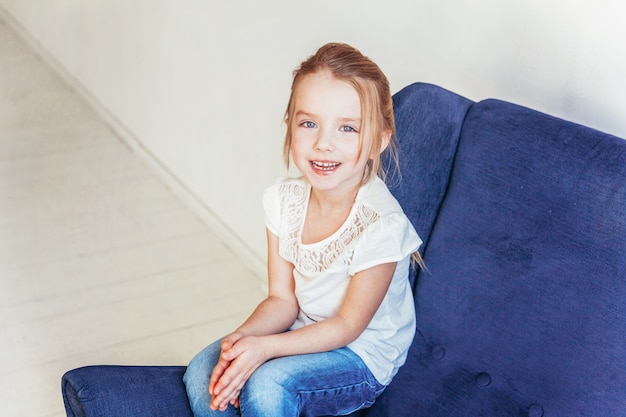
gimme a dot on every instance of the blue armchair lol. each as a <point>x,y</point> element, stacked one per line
<point>522,310</point>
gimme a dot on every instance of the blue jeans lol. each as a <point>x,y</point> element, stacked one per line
<point>318,384</point>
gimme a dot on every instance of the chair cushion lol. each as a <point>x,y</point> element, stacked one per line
<point>139,391</point>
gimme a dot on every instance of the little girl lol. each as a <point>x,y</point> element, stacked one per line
<point>339,316</point>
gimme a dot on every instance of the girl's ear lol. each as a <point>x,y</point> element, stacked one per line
<point>385,140</point>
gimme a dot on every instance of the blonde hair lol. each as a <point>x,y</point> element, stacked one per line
<point>348,64</point>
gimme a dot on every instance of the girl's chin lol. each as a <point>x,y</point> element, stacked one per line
<point>331,183</point>
<point>321,181</point>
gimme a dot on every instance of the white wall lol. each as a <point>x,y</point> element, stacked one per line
<point>202,84</point>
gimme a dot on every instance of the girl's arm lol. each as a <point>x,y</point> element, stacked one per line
<point>279,310</point>
<point>363,297</point>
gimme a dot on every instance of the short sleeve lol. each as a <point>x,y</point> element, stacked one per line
<point>271,205</point>
<point>390,239</point>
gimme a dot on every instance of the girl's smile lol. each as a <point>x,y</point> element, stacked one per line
<point>324,167</point>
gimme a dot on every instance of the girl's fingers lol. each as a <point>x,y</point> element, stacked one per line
<point>234,401</point>
<point>216,375</point>
<point>228,394</point>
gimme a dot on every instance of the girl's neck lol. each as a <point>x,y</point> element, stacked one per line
<point>334,201</point>
<point>326,213</point>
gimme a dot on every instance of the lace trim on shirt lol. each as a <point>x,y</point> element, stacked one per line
<point>337,251</point>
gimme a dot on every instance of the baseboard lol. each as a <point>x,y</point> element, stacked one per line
<point>178,187</point>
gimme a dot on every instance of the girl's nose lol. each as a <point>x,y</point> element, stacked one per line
<point>324,141</point>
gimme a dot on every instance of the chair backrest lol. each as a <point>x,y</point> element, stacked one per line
<point>522,310</point>
<point>428,123</point>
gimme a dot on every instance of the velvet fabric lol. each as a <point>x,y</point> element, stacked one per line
<point>521,311</point>
<point>125,391</point>
<point>428,127</point>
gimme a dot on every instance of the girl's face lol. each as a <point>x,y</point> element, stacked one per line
<point>325,126</point>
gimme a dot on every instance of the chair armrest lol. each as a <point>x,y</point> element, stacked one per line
<point>125,391</point>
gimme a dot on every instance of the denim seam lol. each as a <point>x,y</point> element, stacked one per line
<point>376,388</point>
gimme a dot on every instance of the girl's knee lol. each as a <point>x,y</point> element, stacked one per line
<point>269,392</point>
<point>201,366</point>
<point>196,380</point>
<point>198,375</point>
<point>273,375</point>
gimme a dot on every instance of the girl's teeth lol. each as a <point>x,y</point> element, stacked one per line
<point>325,166</point>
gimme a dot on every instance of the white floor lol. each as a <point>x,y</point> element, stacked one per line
<point>99,261</point>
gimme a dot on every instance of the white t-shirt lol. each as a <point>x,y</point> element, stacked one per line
<point>376,232</point>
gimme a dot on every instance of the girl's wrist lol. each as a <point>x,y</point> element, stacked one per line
<point>241,332</point>
<point>268,346</point>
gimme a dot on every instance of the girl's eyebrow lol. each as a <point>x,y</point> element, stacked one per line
<point>301,113</point>
<point>305,114</point>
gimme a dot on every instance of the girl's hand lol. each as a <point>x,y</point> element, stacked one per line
<point>222,364</point>
<point>237,363</point>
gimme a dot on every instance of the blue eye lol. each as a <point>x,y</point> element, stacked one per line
<point>309,124</point>
<point>347,129</point>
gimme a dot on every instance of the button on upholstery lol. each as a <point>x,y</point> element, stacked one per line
<point>483,379</point>
<point>535,410</point>
<point>438,352</point>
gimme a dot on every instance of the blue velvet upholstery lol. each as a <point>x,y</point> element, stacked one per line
<point>428,124</point>
<point>132,391</point>
<point>522,309</point>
